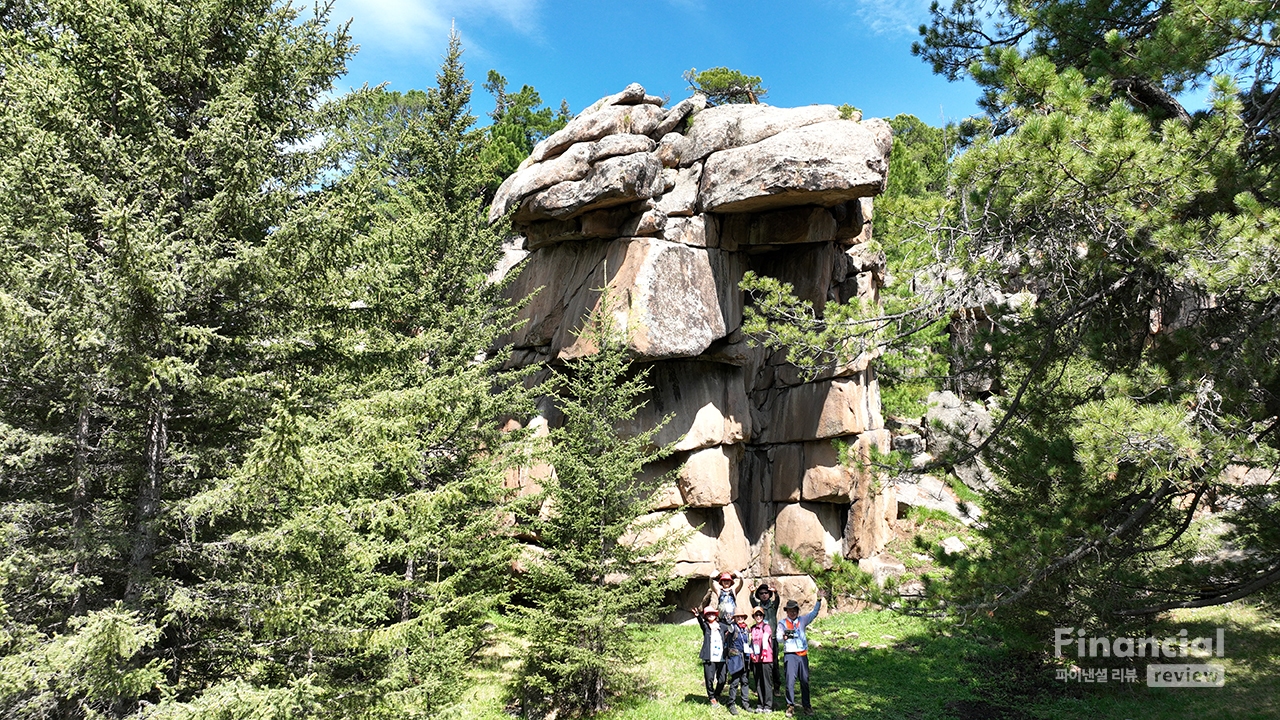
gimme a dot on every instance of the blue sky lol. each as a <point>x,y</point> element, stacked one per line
<point>815,51</point>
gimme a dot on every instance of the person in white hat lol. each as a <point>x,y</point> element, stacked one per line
<point>717,637</point>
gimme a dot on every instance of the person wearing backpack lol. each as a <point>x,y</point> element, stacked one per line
<point>717,638</point>
<point>796,653</point>
<point>723,593</point>
<point>762,656</point>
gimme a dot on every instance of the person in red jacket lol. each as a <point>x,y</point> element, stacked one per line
<point>761,652</point>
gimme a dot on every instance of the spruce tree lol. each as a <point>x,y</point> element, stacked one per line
<point>602,564</point>
<point>148,153</point>
<point>252,457</point>
<point>367,523</point>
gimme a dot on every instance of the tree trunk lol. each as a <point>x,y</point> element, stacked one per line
<point>148,503</point>
<point>80,502</point>
<point>406,598</point>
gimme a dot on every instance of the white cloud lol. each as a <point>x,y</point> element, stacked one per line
<point>419,23</point>
<point>891,17</point>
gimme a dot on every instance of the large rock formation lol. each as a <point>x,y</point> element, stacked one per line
<point>665,209</point>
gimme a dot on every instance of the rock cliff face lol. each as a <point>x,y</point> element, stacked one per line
<point>667,208</point>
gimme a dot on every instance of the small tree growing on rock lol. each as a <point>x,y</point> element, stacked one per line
<point>723,86</point>
<point>599,575</point>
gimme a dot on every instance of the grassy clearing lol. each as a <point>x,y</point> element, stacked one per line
<point>883,665</point>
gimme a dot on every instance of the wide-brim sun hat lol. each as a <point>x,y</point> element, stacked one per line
<point>710,610</point>
<point>757,611</point>
<point>792,605</point>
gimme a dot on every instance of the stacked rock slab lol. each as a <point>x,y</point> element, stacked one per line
<point>666,209</point>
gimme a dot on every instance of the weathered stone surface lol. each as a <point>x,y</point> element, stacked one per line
<point>826,479</point>
<point>788,471</point>
<point>952,545</point>
<point>739,353</point>
<point>853,221</point>
<point>679,112</point>
<point>878,439</point>
<point>697,231</point>
<point>706,401</point>
<point>875,508</point>
<point>808,269</point>
<point>811,530</point>
<point>709,477</point>
<point>861,259</point>
<point>731,126</point>
<point>954,428</point>
<point>822,164</point>
<point>632,94</point>
<point>604,224</point>
<point>875,411</point>
<point>649,222</point>
<point>559,283</point>
<point>527,479</point>
<point>682,199</point>
<point>550,232</point>
<point>733,552</point>
<point>713,539</point>
<point>826,409</point>
<point>929,492</point>
<point>659,480</point>
<point>605,208</point>
<point>574,164</point>
<point>678,299</point>
<point>781,227</point>
<point>514,251</point>
<point>615,181</point>
<point>755,495</point>
<point>881,568</point>
<point>787,374</point>
<point>671,148</point>
<point>696,556</point>
<point>610,120</point>
<point>909,443</point>
<point>674,300</point>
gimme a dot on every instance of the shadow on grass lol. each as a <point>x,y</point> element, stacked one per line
<point>877,665</point>
<point>921,677</point>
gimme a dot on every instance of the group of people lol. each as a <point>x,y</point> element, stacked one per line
<point>739,655</point>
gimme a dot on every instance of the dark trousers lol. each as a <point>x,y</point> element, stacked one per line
<point>714,674</point>
<point>738,687</point>
<point>764,683</point>
<point>797,669</point>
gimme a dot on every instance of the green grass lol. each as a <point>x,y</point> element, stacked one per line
<point>884,665</point>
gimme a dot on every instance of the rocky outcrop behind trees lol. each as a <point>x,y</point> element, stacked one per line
<point>667,208</point>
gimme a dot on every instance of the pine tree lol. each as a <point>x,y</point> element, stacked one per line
<point>723,86</point>
<point>602,564</point>
<point>1143,371</point>
<point>519,122</point>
